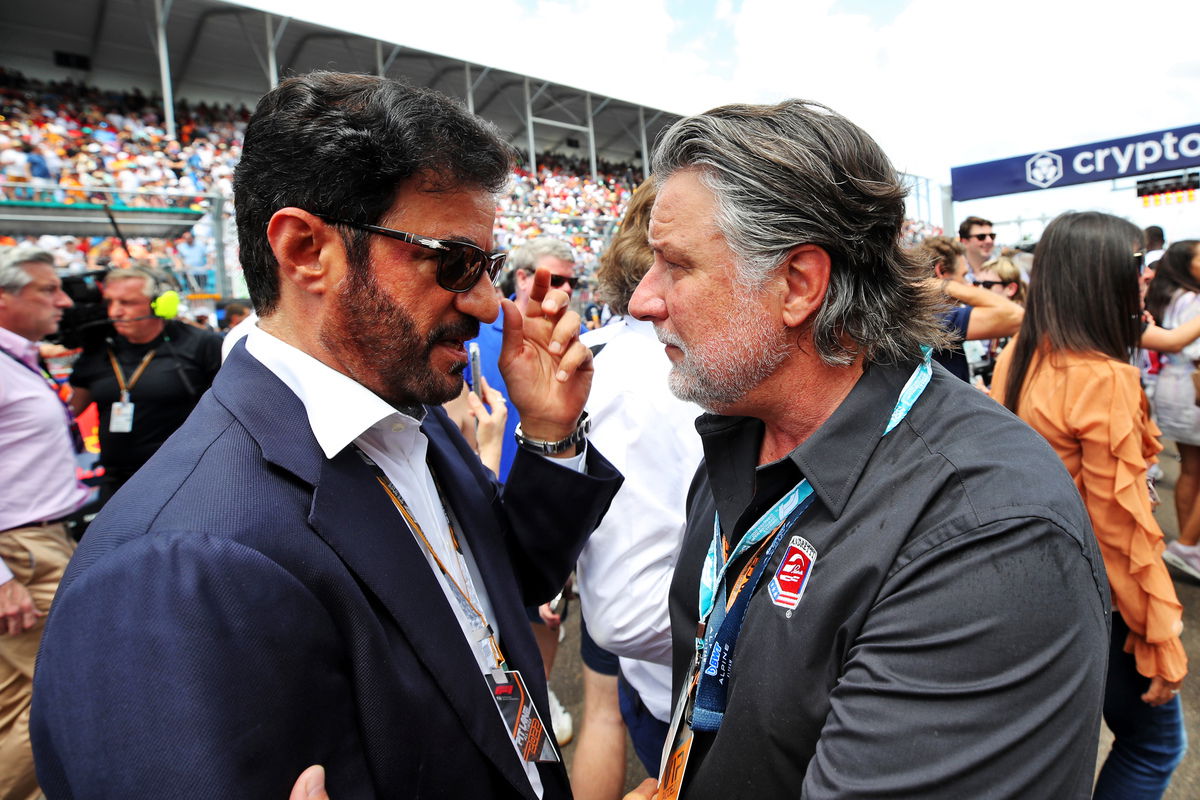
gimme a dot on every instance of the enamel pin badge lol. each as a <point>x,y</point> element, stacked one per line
<point>792,574</point>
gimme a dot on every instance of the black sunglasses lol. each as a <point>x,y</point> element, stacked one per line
<point>460,265</point>
<point>557,281</point>
<point>990,284</point>
<point>980,237</point>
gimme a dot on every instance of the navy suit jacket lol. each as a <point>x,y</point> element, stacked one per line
<point>246,607</point>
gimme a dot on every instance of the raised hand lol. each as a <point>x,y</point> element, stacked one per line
<point>547,369</point>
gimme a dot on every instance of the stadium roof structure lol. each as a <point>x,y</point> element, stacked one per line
<point>215,51</point>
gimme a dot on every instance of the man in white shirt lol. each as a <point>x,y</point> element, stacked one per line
<point>625,570</point>
<point>316,569</point>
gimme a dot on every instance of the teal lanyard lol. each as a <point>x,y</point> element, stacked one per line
<point>716,642</point>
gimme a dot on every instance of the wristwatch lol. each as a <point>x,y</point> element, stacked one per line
<point>562,445</point>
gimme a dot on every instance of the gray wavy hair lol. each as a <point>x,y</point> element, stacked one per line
<point>799,173</point>
<point>527,255</point>
<point>13,275</point>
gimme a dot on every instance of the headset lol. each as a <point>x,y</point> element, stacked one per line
<point>164,304</point>
<point>164,301</point>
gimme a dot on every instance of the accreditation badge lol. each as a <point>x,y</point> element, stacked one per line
<point>121,420</point>
<point>525,726</point>
<point>678,745</point>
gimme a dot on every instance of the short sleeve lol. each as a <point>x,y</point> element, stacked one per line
<point>1186,308</point>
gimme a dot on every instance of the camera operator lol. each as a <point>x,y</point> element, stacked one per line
<point>145,379</point>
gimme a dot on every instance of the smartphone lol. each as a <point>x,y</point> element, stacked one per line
<point>476,372</point>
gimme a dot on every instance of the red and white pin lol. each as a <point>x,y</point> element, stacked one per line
<point>791,577</point>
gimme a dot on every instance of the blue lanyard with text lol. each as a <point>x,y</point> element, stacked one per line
<point>720,635</point>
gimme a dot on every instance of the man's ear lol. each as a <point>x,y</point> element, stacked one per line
<point>806,275</point>
<point>305,248</point>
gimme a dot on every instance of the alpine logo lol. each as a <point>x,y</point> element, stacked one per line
<point>791,577</point>
<point>714,660</point>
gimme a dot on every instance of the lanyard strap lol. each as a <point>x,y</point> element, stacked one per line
<point>716,641</point>
<point>125,390</point>
<point>716,564</point>
<point>466,598</point>
<point>713,679</point>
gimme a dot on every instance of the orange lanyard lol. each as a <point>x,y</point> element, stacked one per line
<point>125,390</point>
<point>463,596</point>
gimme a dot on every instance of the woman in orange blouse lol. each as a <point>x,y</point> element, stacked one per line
<point>1069,375</point>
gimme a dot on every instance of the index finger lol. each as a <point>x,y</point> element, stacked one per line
<point>514,332</point>
<point>541,285</point>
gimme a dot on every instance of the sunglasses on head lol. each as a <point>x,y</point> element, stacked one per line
<point>981,237</point>
<point>460,265</point>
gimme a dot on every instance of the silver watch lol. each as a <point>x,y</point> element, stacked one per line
<point>562,445</point>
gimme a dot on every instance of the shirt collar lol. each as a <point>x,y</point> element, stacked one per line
<point>339,409</point>
<point>19,346</point>
<point>832,459</point>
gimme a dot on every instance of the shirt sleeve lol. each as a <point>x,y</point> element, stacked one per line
<point>1117,438</point>
<point>1189,309</point>
<point>5,573</point>
<point>921,709</point>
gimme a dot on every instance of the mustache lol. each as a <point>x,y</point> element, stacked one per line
<point>462,329</point>
<point>666,337</point>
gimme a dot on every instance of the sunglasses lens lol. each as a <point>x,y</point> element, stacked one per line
<point>460,268</point>
<point>497,264</point>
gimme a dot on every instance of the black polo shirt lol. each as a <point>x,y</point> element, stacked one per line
<point>186,360</point>
<point>952,636</point>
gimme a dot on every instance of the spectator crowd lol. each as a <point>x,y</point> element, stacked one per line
<point>364,507</point>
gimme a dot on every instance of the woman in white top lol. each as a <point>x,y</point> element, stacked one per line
<point>1174,299</point>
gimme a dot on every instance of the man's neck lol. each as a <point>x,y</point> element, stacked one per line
<point>148,336</point>
<point>975,261</point>
<point>797,400</point>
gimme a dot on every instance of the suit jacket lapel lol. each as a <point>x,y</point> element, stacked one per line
<point>486,540</point>
<point>354,516</point>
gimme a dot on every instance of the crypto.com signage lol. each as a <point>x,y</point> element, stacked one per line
<point>1160,151</point>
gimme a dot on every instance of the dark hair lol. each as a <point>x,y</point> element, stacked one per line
<point>1172,273</point>
<point>341,145</point>
<point>964,229</point>
<point>1154,237</point>
<point>628,256</point>
<point>1084,294</point>
<point>799,173</point>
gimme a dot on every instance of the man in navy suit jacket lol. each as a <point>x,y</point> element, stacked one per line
<point>315,568</point>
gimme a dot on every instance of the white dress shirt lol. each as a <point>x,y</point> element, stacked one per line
<point>625,569</point>
<point>343,412</point>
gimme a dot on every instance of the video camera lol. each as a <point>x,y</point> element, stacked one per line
<point>86,323</point>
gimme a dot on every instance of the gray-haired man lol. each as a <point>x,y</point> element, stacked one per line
<point>38,490</point>
<point>871,598</point>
